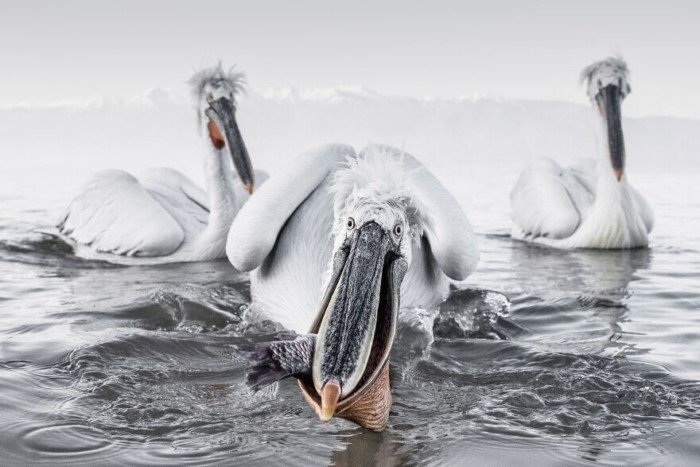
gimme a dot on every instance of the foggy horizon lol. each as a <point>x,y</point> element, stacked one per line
<point>77,50</point>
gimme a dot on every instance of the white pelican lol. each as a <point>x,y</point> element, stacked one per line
<point>590,205</point>
<point>161,213</point>
<point>338,241</point>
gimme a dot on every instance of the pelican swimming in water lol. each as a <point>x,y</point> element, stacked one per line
<point>336,245</point>
<point>590,205</point>
<point>161,214</point>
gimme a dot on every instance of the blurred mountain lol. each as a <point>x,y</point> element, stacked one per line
<point>66,141</point>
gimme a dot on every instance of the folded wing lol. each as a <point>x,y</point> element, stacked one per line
<point>549,201</point>
<point>115,213</point>
<point>254,232</point>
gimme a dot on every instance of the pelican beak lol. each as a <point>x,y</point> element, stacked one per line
<point>223,131</point>
<point>609,102</point>
<point>329,400</point>
<point>355,330</point>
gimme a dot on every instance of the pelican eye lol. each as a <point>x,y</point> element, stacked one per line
<point>600,84</point>
<point>350,223</point>
<point>210,97</point>
<point>398,229</point>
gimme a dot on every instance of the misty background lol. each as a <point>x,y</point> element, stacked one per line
<point>73,50</point>
<point>474,89</point>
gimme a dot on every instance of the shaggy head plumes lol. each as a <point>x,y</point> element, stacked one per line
<point>377,184</point>
<point>233,81</point>
<point>609,71</point>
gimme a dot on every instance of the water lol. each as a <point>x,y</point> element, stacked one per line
<point>596,360</point>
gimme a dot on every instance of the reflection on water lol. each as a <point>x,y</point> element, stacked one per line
<point>592,357</point>
<point>363,447</point>
<point>593,282</point>
<point>594,271</point>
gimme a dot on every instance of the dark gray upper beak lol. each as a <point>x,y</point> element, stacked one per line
<point>358,323</point>
<point>223,113</point>
<point>609,101</point>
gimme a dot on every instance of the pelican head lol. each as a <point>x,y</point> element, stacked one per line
<point>375,223</point>
<point>216,92</point>
<point>607,85</point>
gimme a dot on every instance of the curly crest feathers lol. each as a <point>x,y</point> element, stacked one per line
<point>216,76</point>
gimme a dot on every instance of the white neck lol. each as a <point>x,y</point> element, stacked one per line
<point>223,205</point>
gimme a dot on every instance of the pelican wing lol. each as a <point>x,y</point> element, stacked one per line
<point>115,213</point>
<point>254,232</point>
<point>549,201</point>
<point>241,193</point>
<point>445,225</point>
<point>182,195</point>
<point>176,193</point>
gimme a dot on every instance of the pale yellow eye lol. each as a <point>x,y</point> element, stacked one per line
<point>350,223</point>
<point>398,229</point>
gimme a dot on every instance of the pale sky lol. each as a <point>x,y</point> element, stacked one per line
<point>72,50</point>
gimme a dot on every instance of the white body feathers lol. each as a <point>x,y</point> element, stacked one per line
<point>286,233</point>
<point>578,207</point>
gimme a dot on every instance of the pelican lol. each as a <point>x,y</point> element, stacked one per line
<point>337,245</point>
<point>161,214</point>
<point>592,204</point>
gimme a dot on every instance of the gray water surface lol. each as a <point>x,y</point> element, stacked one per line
<point>597,360</point>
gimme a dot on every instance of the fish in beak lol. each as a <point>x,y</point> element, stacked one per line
<point>609,101</point>
<point>347,372</point>
<point>223,131</point>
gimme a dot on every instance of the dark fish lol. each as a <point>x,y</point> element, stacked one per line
<point>290,355</point>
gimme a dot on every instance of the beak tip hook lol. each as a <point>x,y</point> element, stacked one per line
<point>330,393</point>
